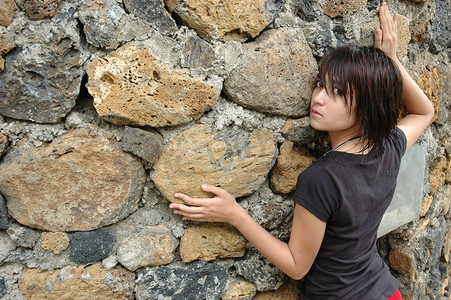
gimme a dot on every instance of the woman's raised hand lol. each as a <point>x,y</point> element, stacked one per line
<point>386,38</point>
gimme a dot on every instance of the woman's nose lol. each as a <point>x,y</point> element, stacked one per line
<point>318,96</point>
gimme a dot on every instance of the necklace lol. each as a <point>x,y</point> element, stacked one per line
<point>342,144</point>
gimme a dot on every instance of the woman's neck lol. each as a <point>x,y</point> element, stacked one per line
<point>351,142</point>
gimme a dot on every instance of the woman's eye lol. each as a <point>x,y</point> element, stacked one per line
<point>337,91</point>
<point>319,84</point>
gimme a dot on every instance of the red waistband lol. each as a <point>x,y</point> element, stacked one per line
<point>396,296</point>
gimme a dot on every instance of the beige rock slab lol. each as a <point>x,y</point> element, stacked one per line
<point>78,182</point>
<point>131,87</point>
<point>211,240</point>
<point>77,282</point>
<point>291,161</point>
<point>334,8</point>
<point>56,242</point>
<point>224,20</point>
<point>239,289</point>
<point>233,159</point>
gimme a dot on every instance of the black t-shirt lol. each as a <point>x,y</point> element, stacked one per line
<point>351,193</point>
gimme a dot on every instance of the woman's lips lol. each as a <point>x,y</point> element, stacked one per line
<point>315,113</point>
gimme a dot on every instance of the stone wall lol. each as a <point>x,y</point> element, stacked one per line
<point>108,107</point>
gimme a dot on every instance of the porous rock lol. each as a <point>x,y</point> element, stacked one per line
<point>56,242</point>
<point>41,79</point>
<point>40,9</point>
<point>6,245</point>
<point>233,159</point>
<point>429,82</point>
<point>77,282</point>
<point>226,20</point>
<point>282,59</point>
<point>23,236</point>
<point>153,12</point>
<point>200,281</point>
<point>152,246</point>
<point>79,182</point>
<point>210,241</point>
<point>441,35</point>
<point>285,292</point>
<point>239,289</point>
<point>4,223</point>
<point>258,270</point>
<point>91,246</point>
<point>101,23</point>
<point>291,161</point>
<point>131,87</point>
<point>142,143</point>
<point>3,144</point>
<point>334,8</point>
<point>7,8</point>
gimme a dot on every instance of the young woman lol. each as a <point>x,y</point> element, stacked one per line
<point>341,198</point>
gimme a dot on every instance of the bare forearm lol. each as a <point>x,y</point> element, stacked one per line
<point>274,250</point>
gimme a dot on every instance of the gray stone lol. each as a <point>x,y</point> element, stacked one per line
<point>23,236</point>
<point>197,53</point>
<point>101,23</point>
<point>441,24</point>
<point>4,223</point>
<point>258,270</point>
<point>142,143</point>
<point>304,9</point>
<point>42,79</point>
<point>200,281</point>
<point>2,287</point>
<point>276,74</point>
<point>3,144</point>
<point>6,246</point>
<point>153,12</point>
<point>91,246</point>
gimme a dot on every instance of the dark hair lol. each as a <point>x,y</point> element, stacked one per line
<point>371,79</point>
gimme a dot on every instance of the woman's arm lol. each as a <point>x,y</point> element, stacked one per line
<point>293,258</point>
<point>419,107</point>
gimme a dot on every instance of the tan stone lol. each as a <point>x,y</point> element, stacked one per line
<point>233,159</point>
<point>275,75</point>
<point>7,9</point>
<point>291,161</point>
<point>56,242</point>
<point>437,176</point>
<point>152,246</point>
<point>285,292</point>
<point>425,205</point>
<point>447,247</point>
<point>80,282</point>
<point>80,181</point>
<point>131,87</point>
<point>239,289</point>
<point>224,20</point>
<point>430,84</point>
<point>40,9</point>
<point>211,240</point>
<point>402,260</point>
<point>334,8</point>
<point>6,46</point>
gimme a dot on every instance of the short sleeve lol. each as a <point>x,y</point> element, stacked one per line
<point>400,140</point>
<point>316,192</point>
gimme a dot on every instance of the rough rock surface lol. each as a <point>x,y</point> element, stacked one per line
<point>41,80</point>
<point>291,161</point>
<point>91,246</point>
<point>211,241</point>
<point>152,246</point>
<point>343,8</point>
<point>282,59</point>
<point>142,143</point>
<point>258,270</point>
<point>77,282</point>
<point>232,159</point>
<point>226,20</point>
<point>239,289</point>
<point>56,242</point>
<point>40,9</point>
<point>201,281</point>
<point>4,222</point>
<point>23,236</point>
<point>87,183</point>
<point>131,87</point>
<point>7,8</point>
<point>153,12</point>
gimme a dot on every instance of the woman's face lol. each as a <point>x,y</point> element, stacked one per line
<point>329,111</point>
